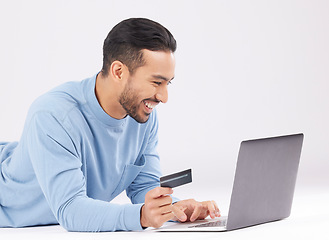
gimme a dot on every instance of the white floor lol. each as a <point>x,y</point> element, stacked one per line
<point>309,220</point>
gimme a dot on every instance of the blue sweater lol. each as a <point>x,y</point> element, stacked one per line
<point>72,160</point>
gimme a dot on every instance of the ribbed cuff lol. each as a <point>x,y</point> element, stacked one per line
<point>132,216</point>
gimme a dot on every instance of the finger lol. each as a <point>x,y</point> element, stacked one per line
<point>165,210</point>
<point>217,211</point>
<point>162,210</point>
<point>197,207</point>
<point>157,203</point>
<point>159,192</point>
<point>159,220</point>
<point>166,217</point>
<point>211,209</point>
<point>163,201</point>
<point>179,213</point>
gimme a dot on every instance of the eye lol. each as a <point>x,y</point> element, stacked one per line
<point>157,83</point>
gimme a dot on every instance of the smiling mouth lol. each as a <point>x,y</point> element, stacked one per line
<point>149,105</point>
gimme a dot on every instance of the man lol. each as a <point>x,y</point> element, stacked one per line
<point>85,142</point>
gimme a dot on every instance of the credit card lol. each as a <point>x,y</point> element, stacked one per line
<point>176,179</point>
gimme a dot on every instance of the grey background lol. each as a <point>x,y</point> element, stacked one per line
<point>245,69</point>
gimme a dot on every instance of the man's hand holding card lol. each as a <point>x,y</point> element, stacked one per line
<point>158,207</point>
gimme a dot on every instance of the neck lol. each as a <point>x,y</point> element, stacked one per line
<point>107,96</point>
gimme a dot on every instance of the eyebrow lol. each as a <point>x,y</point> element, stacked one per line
<point>162,77</point>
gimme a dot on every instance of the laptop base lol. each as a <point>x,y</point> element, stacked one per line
<point>196,226</point>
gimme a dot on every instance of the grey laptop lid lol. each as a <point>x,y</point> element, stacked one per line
<point>264,181</point>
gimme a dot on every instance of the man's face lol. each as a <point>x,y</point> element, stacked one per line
<point>148,85</point>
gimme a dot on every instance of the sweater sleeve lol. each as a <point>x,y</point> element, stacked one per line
<point>57,166</point>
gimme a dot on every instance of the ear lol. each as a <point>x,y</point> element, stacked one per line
<point>118,71</point>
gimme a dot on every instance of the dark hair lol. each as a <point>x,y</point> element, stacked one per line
<point>126,40</point>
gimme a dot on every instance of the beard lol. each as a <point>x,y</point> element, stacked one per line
<point>128,100</point>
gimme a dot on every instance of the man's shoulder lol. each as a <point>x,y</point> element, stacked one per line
<point>61,100</point>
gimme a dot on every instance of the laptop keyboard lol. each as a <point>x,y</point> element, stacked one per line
<point>219,223</point>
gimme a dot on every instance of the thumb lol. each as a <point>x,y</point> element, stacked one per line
<point>179,213</point>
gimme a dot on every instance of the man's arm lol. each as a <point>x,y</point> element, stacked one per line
<point>57,165</point>
<point>158,207</point>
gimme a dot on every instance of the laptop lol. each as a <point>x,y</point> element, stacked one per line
<point>263,186</point>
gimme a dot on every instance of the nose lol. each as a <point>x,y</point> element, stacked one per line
<point>162,94</point>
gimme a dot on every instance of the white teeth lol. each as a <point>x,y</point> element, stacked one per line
<point>149,105</point>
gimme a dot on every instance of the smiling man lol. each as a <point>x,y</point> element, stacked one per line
<point>85,142</point>
<point>122,92</point>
